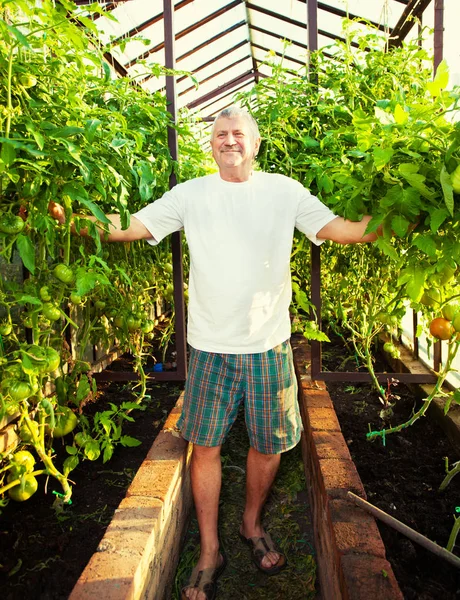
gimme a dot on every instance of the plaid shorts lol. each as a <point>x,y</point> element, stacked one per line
<point>218,383</point>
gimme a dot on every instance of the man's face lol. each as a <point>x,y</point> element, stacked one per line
<point>232,143</point>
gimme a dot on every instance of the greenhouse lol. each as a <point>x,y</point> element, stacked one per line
<point>229,299</point>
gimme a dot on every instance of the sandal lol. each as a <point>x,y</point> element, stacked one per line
<point>205,580</point>
<point>260,546</point>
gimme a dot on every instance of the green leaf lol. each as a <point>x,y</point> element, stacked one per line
<point>91,127</point>
<point>108,452</point>
<point>311,332</point>
<point>27,252</point>
<point>415,285</point>
<point>400,115</point>
<point>382,156</point>
<point>106,423</point>
<point>65,132</point>
<point>72,450</point>
<point>437,218</point>
<point>130,442</point>
<point>92,450</point>
<point>309,142</point>
<point>386,248</point>
<point>8,154</point>
<point>21,38</point>
<point>132,406</point>
<point>30,367</point>
<point>440,81</point>
<point>95,210</point>
<point>415,179</point>
<point>426,244</point>
<point>27,299</point>
<point>399,225</point>
<point>447,190</point>
<point>69,464</point>
<point>83,390</point>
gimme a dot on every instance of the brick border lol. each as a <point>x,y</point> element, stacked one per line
<point>139,553</point>
<point>350,552</point>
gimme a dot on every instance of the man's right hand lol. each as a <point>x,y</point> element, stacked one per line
<point>136,230</point>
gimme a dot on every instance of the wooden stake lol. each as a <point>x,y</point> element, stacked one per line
<point>405,530</point>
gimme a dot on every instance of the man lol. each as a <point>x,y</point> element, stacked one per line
<point>239,226</point>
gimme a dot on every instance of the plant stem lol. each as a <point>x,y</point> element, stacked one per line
<point>453,534</point>
<point>453,348</point>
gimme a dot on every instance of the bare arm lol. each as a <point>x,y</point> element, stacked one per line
<point>135,231</point>
<point>343,231</point>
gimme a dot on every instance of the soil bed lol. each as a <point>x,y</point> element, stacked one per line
<point>42,554</point>
<point>402,478</point>
<point>286,517</point>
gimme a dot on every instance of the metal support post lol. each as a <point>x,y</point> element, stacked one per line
<point>178,274</point>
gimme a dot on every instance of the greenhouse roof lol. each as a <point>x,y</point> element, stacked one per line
<point>224,44</point>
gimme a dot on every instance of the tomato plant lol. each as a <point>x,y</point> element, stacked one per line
<point>72,134</point>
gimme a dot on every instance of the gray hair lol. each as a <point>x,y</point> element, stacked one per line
<point>237,111</point>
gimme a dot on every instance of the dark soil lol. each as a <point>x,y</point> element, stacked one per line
<point>402,478</point>
<point>43,554</point>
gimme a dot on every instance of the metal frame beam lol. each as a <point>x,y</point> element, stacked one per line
<point>343,13</point>
<point>414,10</point>
<point>215,59</point>
<point>176,241</point>
<point>233,91</point>
<point>223,88</point>
<point>295,60</point>
<point>146,24</point>
<point>233,64</point>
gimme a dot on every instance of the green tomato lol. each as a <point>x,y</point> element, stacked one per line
<point>22,462</point>
<point>168,268</point>
<point>24,490</point>
<point>456,322</point>
<point>147,326</point>
<point>53,359</point>
<point>6,328</point>
<point>99,304</point>
<point>63,273</point>
<point>450,309</point>
<point>446,274</point>
<point>81,439</point>
<point>45,293</point>
<point>431,297</point>
<point>455,179</point>
<point>51,311</point>
<point>66,421</point>
<point>27,80</point>
<point>392,350</point>
<point>29,431</point>
<point>11,224</point>
<point>44,360</point>
<point>133,323</point>
<point>75,298</point>
<point>387,319</point>
<point>119,320</point>
<point>20,390</point>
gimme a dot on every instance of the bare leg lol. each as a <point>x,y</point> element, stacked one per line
<point>260,474</point>
<point>206,475</point>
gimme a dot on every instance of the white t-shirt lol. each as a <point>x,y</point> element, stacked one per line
<point>240,239</point>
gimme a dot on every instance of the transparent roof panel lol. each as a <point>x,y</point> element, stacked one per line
<point>223,40</point>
